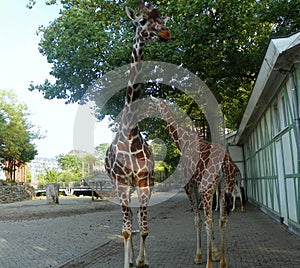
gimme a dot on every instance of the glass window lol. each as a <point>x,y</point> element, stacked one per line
<point>276,118</point>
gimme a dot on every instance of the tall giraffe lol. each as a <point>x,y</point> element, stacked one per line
<point>129,161</point>
<point>203,163</point>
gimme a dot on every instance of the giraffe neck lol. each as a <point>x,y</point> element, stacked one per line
<point>183,139</point>
<point>135,75</point>
<point>130,127</point>
<point>175,130</point>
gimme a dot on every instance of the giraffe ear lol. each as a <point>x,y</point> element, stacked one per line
<point>130,14</point>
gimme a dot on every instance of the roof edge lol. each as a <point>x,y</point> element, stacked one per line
<point>276,49</point>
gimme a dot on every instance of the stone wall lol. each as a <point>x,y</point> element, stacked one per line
<point>13,193</point>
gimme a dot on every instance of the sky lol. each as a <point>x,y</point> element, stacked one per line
<point>21,63</point>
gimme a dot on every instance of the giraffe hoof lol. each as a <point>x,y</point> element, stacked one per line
<point>130,264</point>
<point>222,264</point>
<point>198,260</point>
<point>142,265</point>
<point>215,256</point>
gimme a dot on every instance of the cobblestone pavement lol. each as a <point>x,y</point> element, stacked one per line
<point>93,240</point>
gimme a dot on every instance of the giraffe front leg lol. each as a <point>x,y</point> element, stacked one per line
<point>195,200</point>
<point>209,225</point>
<point>144,197</point>
<point>141,260</point>
<point>124,198</point>
<point>215,251</point>
<point>198,225</point>
<point>207,205</point>
<point>127,235</point>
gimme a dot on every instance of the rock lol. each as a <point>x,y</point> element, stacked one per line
<point>52,190</point>
<point>13,193</point>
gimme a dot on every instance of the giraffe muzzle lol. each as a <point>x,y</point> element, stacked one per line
<point>164,35</point>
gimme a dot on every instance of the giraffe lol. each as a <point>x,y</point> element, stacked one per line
<point>237,191</point>
<point>129,162</point>
<point>203,163</point>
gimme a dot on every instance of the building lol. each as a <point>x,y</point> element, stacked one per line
<point>19,174</point>
<point>267,143</point>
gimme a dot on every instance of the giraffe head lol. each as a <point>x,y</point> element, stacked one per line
<point>150,26</point>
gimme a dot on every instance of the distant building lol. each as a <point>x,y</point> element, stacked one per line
<point>39,166</point>
<point>18,173</point>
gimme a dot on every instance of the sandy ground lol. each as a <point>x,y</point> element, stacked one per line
<point>68,206</point>
<point>39,209</point>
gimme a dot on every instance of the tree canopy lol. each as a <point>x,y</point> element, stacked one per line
<point>16,135</point>
<point>81,165</point>
<point>223,42</point>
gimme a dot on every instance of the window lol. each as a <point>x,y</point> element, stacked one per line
<point>283,112</point>
<point>280,117</point>
<point>276,118</point>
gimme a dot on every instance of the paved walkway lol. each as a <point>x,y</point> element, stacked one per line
<point>253,240</point>
<point>92,240</point>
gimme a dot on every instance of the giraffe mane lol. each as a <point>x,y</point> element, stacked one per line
<point>154,14</point>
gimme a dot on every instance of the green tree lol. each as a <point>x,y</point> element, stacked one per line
<point>100,152</point>
<point>41,179</point>
<point>222,41</point>
<point>67,176</point>
<point>69,162</point>
<point>16,136</point>
<point>79,166</point>
<point>88,162</point>
<point>51,176</point>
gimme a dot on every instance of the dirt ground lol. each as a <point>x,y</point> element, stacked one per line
<point>38,209</point>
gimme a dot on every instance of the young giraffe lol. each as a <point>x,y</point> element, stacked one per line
<point>203,162</point>
<point>237,191</point>
<point>129,161</point>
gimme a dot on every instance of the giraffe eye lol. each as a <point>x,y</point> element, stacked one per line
<point>153,28</point>
<point>143,22</point>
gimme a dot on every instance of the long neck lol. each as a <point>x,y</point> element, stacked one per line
<point>135,75</point>
<point>129,121</point>
<point>176,131</point>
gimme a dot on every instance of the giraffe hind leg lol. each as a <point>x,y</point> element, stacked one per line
<point>226,200</point>
<point>243,199</point>
<point>233,202</point>
<point>195,201</point>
